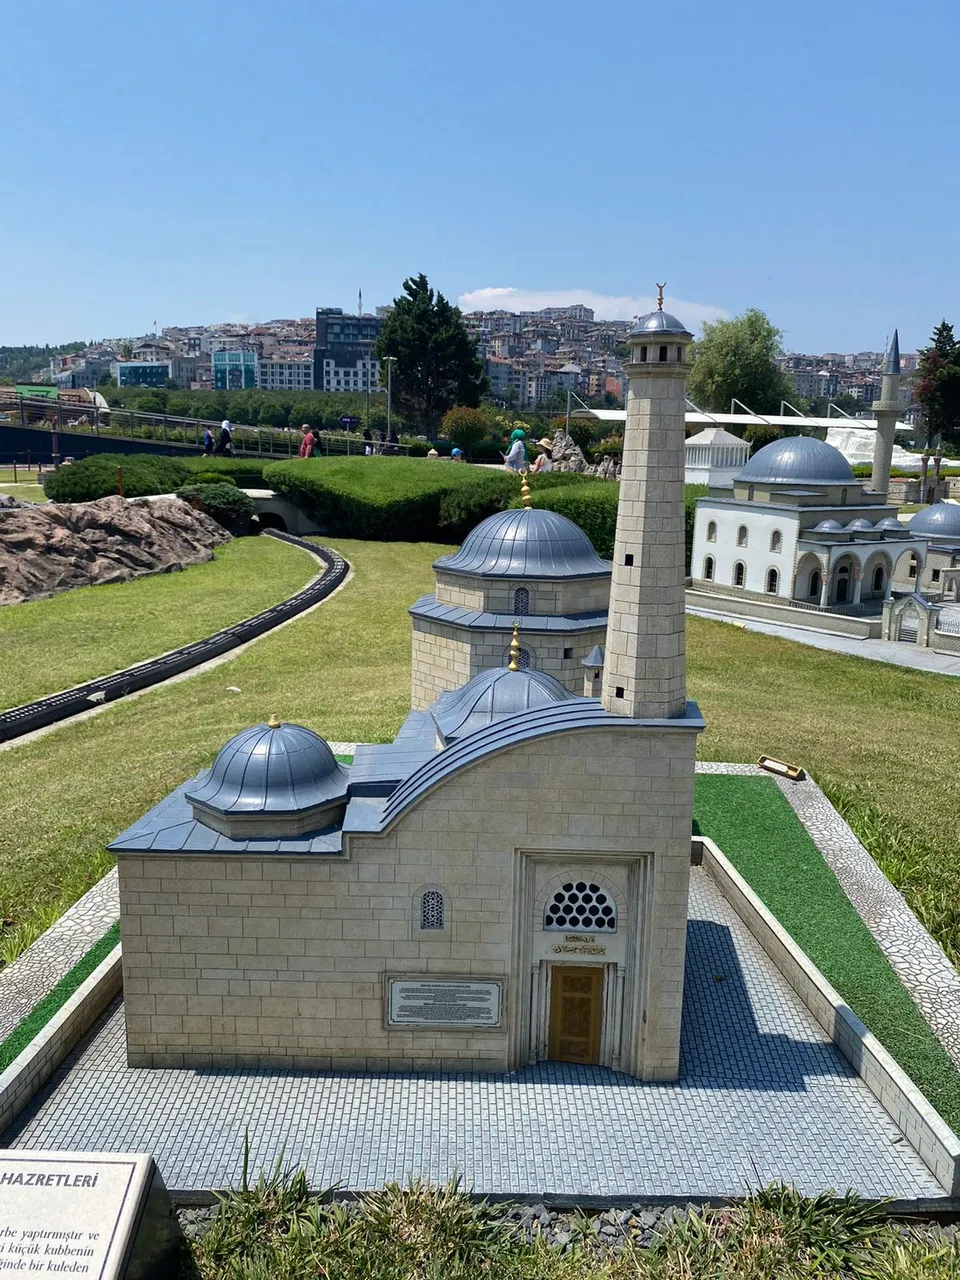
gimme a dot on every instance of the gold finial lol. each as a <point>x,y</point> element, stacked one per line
<point>660,289</point>
<point>273,722</point>
<point>525,496</point>
<point>514,663</point>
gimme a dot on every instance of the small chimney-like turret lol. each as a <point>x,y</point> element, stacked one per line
<point>644,666</point>
<point>886,410</point>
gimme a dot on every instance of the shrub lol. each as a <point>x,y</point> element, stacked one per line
<point>242,471</point>
<point>225,503</point>
<point>465,427</point>
<point>211,477</point>
<point>96,477</point>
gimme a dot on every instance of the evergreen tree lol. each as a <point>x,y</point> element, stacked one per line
<point>937,388</point>
<point>737,359</point>
<point>438,365</point>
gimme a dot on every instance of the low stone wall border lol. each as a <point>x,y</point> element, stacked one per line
<point>29,1072</point>
<point>929,1135</point>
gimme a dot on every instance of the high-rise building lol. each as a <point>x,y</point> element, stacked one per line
<point>343,358</point>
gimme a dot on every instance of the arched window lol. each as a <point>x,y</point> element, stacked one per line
<point>843,497</point>
<point>816,581</point>
<point>712,531</point>
<point>739,574</point>
<point>524,659</point>
<point>776,540</point>
<point>579,904</point>
<point>708,568</point>
<point>878,578</point>
<point>432,913</point>
<point>773,580</point>
<point>521,601</point>
<point>742,536</point>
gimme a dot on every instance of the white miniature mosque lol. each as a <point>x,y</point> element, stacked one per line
<point>503,883</point>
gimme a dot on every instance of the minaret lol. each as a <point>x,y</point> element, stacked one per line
<point>886,410</point>
<point>643,673</point>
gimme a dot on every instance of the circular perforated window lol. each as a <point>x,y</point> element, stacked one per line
<point>581,905</point>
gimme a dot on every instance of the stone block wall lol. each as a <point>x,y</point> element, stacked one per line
<point>549,597</point>
<point>441,660</point>
<point>283,961</point>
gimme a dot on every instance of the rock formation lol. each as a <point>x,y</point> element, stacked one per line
<point>568,456</point>
<point>58,546</point>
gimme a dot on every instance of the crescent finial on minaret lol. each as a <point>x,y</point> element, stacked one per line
<point>660,289</point>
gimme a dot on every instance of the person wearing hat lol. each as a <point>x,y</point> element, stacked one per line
<point>515,459</point>
<point>544,460</point>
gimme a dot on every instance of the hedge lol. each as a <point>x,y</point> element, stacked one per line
<point>96,477</point>
<point>245,472</point>
<point>405,499</point>
<point>593,506</point>
<point>225,503</point>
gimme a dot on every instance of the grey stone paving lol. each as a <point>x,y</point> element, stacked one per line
<point>915,957</point>
<point>763,1095</point>
<point>900,655</point>
<point>56,951</point>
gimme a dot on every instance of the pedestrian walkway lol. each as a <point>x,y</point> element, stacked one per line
<point>899,655</point>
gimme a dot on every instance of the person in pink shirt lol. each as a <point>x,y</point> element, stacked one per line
<point>307,441</point>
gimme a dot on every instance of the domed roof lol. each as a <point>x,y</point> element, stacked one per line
<point>655,322</point>
<point>274,770</point>
<point>494,695</point>
<point>941,520</point>
<point>861,523</point>
<point>798,460</point>
<point>526,543</point>
<point>827,526</point>
<point>891,522</point>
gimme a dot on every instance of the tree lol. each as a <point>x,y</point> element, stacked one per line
<point>437,363</point>
<point>464,426</point>
<point>736,359</point>
<point>937,387</point>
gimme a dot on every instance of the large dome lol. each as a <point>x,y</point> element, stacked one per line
<point>798,460</point>
<point>493,695</point>
<point>655,322</point>
<point>526,543</point>
<point>274,771</point>
<point>940,520</point>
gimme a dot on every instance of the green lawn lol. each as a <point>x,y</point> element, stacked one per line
<point>761,835</point>
<point>51,644</point>
<point>25,492</point>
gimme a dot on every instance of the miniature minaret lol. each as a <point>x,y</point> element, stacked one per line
<point>886,410</point>
<point>643,673</point>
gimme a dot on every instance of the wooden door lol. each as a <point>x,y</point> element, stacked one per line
<point>576,1013</point>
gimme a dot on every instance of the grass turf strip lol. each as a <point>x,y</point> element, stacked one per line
<point>66,639</point>
<point>758,831</point>
<point>56,998</point>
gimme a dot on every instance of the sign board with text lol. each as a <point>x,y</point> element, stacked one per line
<point>102,1216</point>
<point>433,1002</point>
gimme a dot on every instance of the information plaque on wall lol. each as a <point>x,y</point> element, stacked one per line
<point>431,1002</point>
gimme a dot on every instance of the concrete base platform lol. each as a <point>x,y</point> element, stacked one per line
<point>763,1095</point>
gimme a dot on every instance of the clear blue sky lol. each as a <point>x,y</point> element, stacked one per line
<point>210,160</point>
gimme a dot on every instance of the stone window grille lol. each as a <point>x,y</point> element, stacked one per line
<point>580,904</point>
<point>523,660</point>
<point>432,913</point>
<point>739,574</point>
<point>521,602</point>
<point>773,580</point>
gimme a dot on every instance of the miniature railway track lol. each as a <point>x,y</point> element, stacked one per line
<point>82,697</point>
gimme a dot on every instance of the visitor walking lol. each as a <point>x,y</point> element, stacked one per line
<point>515,459</point>
<point>367,442</point>
<point>225,443</point>
<point>208,442</point>
<point>308,441</point>
<point>544,461</point>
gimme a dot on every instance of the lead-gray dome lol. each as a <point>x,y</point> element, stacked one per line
<point>526,543</point>
<point>493,695</point>
<point>270,774</point>
<point>860,525</point>
<point>798,460</point>
<point>655,322</point>
<point>827,526</point>
<point>940,520</point>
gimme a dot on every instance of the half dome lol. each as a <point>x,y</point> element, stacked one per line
<point>526,542</point>
<point>271,779</point>
<point>494,695</point>
<point>798,460</point>
<point>940,520</point>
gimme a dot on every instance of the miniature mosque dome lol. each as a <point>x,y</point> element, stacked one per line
<point>655,322</point>
<point>827,526</point>
<point>858,525</point>
<point>494,695</point>
<point>526,543</point>
<point>797,459</point>
<point>891,522</point>
<point>942,519</point>
<point>274,778</point>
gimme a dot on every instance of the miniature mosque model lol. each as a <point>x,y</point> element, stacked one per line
<point>507,880</point>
